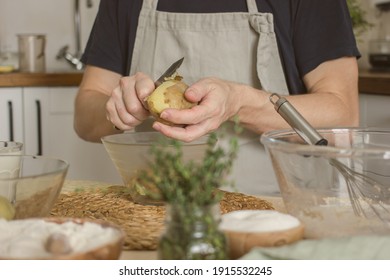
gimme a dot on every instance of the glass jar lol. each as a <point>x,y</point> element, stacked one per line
<point>192,233</point>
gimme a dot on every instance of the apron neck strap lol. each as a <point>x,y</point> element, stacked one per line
<point>150,4</point>
<point>252,6</point>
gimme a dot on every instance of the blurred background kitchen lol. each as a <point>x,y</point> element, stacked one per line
<point>56,19</point>
<point>64,22</point>
<point>37,108</point>
<point>377,14</point>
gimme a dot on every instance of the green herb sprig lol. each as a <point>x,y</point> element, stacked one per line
<point>188,187</point>
<point>190,182</point>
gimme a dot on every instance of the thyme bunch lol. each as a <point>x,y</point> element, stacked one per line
<point>190,183</point>
<point>188,187</point>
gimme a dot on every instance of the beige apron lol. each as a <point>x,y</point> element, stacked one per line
<point>239,47</point>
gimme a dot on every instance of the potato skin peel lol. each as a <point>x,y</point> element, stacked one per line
<point>170,94</point>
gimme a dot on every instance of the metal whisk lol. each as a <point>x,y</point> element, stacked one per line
<point>360,187</point>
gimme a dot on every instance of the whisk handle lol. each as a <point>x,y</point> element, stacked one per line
<point>297,121</point>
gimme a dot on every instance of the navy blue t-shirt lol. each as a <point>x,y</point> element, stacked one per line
<point>308,32</point>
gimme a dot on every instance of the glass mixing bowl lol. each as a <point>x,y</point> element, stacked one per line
<point>130,153</point>
<point>29,185</point>
<point>323,196</point>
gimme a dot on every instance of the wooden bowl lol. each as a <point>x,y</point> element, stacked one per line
<point>56,248</point>
<point>247,229</point>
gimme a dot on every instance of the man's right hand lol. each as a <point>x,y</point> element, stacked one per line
<point>126,108</point>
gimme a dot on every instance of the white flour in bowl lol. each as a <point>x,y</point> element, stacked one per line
<point>257,221</point>
<point>27,239</point>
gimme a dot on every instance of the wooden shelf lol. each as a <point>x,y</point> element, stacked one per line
<point>369,82</point>
<point>374,82</point>
<point>18,79</point>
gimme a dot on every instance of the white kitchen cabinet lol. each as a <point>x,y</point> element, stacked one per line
<point>11,115</point>
<point>42,118</point>
<point>36,120</point>
<point>88,161</point>
<point>374,110</point>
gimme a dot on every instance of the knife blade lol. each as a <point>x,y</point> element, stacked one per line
<point>169,72</point>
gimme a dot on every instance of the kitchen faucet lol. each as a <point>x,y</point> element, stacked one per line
<point>63,53</point>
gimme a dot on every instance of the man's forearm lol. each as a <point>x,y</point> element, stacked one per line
<point>90,122</point>
<point>332,99</point>
<point>321,109</point>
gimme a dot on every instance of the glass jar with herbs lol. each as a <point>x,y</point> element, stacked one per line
<point>192,233</point>
<point>188,189</point>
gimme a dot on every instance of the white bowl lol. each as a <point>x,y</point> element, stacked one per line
<point>247,229</point>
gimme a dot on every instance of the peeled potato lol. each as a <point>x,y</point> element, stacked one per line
<point>140,187</point>
<point>170,94</point>
<point>6,68</point>
<point>246,229</point>
<point>7,211</point>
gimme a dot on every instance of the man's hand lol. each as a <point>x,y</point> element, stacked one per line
<point>126,108</point>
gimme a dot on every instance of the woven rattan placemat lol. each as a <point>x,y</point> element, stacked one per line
<point>142,224</point>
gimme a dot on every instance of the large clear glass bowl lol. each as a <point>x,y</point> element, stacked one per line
<point>131,154</point>
<point>321,194</point>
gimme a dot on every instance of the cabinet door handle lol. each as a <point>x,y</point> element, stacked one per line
<point>11,121</point>
<point>39,126</point>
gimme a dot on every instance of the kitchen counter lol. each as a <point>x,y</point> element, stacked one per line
<point>369,82</point>
<point>374,82</point>
<point>18,79</point>
<point>138,255</point>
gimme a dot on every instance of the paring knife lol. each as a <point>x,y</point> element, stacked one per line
<point>169,72</point>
